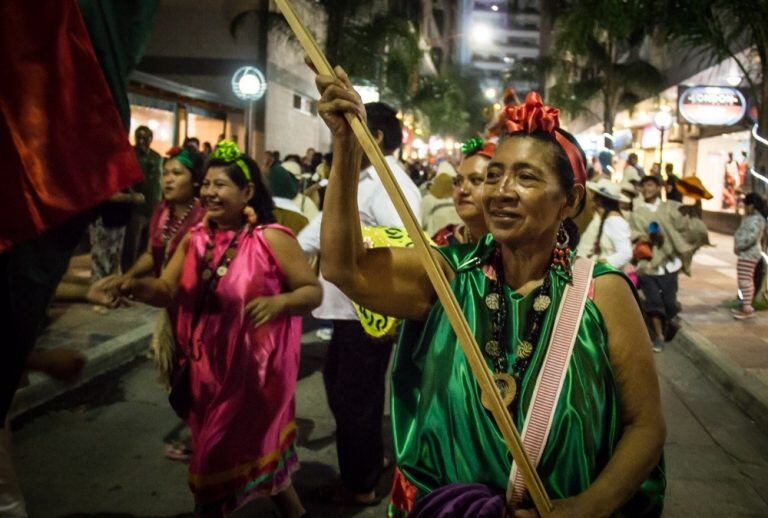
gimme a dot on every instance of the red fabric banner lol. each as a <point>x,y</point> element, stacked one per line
<point>64,148</point>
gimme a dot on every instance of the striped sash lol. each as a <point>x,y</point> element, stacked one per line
<point>549,383</point>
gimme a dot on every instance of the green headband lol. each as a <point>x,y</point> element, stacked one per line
<point>472,145</point>
<point>184,158</point>
<point>228,151</point>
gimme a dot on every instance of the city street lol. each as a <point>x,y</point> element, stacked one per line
<point>163,155</point>
<point>99,452</point>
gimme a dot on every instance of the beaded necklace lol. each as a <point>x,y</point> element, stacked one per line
<point>209,278</point>
<point>211,274</point>
<point>169,232</point>
<point>507,380</point>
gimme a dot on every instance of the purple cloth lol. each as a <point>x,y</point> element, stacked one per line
<point>459,501</point>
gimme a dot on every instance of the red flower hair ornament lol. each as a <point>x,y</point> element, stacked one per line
<point>533,115</point>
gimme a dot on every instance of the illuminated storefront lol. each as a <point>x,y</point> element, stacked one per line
<point>723,143</point>
<point>175,112</point>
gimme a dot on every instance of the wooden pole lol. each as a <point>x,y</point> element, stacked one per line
<point>436,276</point>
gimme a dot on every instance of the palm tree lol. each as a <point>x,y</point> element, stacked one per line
<point>340,18</point>
<point>720,29</point>
<point>596,55</point>
<point>383,48</point>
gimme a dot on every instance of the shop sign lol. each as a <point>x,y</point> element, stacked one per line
<point>711,105</point>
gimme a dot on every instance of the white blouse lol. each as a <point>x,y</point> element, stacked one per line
<point>615,243</point>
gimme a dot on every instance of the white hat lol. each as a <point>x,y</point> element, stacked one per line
<point>607,189</point>
<point>630,174</point>
<point>446,167</point>
<point>292,167</point>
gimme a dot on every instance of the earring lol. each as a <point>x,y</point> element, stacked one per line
<point>561,255</point>
<point>250,215</point>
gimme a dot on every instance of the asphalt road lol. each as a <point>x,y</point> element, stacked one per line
<point>99,452</point>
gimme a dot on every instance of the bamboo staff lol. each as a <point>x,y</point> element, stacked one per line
<point>436,276</point>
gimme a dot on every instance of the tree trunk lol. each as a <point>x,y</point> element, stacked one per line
<point>608,117</point>
<point>760,164</point>
<point>337,15</point>
<point>761,150</point>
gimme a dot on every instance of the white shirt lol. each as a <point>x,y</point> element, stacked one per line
<point>615,242</point>
<point>672,265</point>
<point>376,209</point>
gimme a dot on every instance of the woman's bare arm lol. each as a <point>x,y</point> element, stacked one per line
<point>390,281</point>
<point>143,265</point>
<point>303,293</point>
<point>160,292</point>
<point>644,429</point>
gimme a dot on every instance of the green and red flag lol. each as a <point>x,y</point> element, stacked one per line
<point>63,141</point>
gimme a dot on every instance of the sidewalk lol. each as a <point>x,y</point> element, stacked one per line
<point>108,339</point>
<point>732,353</point>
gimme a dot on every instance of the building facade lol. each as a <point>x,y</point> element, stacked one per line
<point>194,50</point>
<point>499,35</point>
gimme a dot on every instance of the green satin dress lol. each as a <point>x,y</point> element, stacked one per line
<point>443,434</point>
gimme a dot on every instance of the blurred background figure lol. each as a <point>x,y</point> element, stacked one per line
<point>137,230</point>
<point>748,247</point>
<point>437,208</point>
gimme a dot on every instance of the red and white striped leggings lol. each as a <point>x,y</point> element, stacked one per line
<point>746,273</point>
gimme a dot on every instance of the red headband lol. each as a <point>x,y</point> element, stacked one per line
<point>534,115</point>
<point>487,150</point>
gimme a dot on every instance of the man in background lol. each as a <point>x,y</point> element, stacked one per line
<point>356,363</point>
<point>151,164</point>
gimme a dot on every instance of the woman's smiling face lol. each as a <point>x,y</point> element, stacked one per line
<point>223,199</point>
<point>523,195</point>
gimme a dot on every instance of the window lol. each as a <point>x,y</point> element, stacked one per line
<point>305,104</point>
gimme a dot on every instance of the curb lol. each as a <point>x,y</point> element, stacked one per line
<point>99,360</point>
<point>748,393</point>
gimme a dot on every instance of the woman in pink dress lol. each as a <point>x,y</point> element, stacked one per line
<point>178,212</point>
<point>240,284</point>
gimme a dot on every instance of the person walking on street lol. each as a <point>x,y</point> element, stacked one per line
<point>607,238</point>
<point>151,164</point>
<point>437,206</point>
<point>467,195</point>
<point>632,169</point>
<point>747,245</point>
<point>603,455</point>
<point>672,193</point>
<point>658,229</point>
<point>356,363</point>
<point>240,285</point>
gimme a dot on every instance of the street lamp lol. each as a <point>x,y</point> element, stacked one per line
<point>249,84</point>
<point>481,35</point>
<point>662,120</point>
<point>734,79</point>
<point>490,94</point>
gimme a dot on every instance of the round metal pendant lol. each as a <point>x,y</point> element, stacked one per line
<point>507,387</point>
<point>492,348</point>
<point>492,301</point>
<point>230,253</point>
<point>207,274</point>
<point>524,349</point>
<point>221,271</point>
<point>541,303</point>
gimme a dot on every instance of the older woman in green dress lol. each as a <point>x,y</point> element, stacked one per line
<point>603,453</point>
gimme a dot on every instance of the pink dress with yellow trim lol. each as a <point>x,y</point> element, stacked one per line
<point>242,378</point>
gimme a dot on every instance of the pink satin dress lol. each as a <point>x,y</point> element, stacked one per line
<point>242,378</point>
<point>157,222</point>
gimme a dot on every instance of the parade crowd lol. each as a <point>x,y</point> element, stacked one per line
<point>238,252</point>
